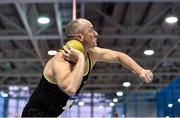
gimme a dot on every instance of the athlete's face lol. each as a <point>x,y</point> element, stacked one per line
<point>89,34</point>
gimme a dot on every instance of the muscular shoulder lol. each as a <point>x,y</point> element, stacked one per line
<point>55,64</point>
<point>97,50</point>
<point>104,54</point>
<point>94,50</point>
<point>58,60</point>
<point>93,54</point>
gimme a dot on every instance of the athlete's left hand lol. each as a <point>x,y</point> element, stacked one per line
<point>146,75</point>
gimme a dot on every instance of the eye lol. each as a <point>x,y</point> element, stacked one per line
<point>92,29</point>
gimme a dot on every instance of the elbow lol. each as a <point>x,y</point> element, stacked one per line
<point>69,90</point>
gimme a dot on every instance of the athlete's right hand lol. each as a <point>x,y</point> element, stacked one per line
<point>71,54</point>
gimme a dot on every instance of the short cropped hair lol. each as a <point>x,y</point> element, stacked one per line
<point>73,28</point>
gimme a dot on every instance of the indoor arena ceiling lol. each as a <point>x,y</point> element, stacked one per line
<point>130,26</point>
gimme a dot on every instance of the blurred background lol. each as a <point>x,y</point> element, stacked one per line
<point>31,32</point>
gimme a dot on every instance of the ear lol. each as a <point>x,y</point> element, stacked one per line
<point>79,37</point>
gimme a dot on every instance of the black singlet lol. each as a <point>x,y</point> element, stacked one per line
<point>49,99</point>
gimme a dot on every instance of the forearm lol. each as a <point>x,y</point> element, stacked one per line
<point>129,63</point>
<point>73,80</point>
<point>107,55</point>
<point>76,76</point>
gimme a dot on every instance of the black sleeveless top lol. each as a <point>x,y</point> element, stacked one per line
<point>51,98</point>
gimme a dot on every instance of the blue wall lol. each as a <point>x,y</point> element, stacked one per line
<point>3,106</point>
<point>167,95</point>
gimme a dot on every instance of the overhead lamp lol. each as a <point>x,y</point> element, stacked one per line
<point>178,99</point>
<point>170,105</point>
<point>115,100</point>
<point>111,104</point>
<point>25,88</point>
<point>43,20</point>
<point>119,93</point>
<point>171,19</point>
<point>149,52</point>
<point>52,52</point>
<point>3,94</point>
<point>81,103</point>
<point>126,84</point>
<point>14,88</point>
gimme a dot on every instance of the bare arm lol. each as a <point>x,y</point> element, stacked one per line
<point>107,55</point>
<point>67,79</point>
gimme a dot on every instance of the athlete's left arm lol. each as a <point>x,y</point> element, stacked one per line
<point>107,55</point>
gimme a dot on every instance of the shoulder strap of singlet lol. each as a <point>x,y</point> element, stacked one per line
<point>44,77</point>
<point>89,59</point>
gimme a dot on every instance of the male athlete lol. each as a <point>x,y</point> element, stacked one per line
<point>65,73</point>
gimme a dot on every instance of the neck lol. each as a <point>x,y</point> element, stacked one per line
<point>86,49</point>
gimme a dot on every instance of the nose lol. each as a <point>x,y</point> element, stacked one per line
<point>95,33</point>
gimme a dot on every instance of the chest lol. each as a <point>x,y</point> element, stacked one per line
<point>86,66</point>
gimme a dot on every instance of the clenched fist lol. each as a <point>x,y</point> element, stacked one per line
<point>146,75</point>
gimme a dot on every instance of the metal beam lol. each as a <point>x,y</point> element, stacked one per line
<point>110,74</point>
<point>118,74</point>
<point>166,55</point>
<point>79,1</point>
<point>59,24</point>
<point>19,60</point>
<point>11,22</point>
<point>169,59</point>
<point>105,36</point>
<point>102,90</point>
<point>25,22</point>
<point>82,7</point>
<point>155,18</point>
<point>108,18</point>
<point>132,13</point>
<point>120,85</point>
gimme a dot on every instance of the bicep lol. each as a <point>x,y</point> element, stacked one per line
<point>61,70</point>
<point>105,55</point>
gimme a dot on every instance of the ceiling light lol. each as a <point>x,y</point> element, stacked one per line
<point>126,84</point>
<point>3,94</point>
<point>178,99</point>
<point>43,20</point>
<point>171,19</point>
<point>170,105</point>
<point>111,104</point>
<point>52,52</point>
<point>149,52</point>
<point>167,117</point>
<point>81,103</point>
<point>119,93</point>
<point>11,88</point>
<point>115,100</point>
<point>25,88</point>
<point>13,94</point>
